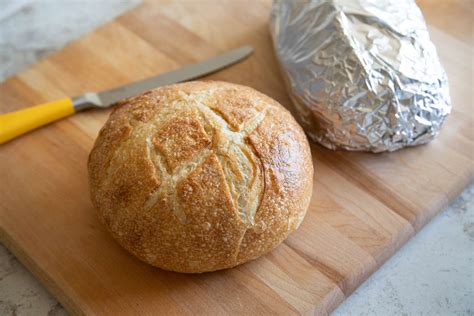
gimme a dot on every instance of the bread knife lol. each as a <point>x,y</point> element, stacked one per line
<point>17,123</point>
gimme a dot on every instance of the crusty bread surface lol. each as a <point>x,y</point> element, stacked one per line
<point>200,176</point>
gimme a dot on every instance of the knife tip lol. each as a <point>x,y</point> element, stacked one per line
<point>248,49</point>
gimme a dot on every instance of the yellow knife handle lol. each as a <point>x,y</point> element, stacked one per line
<point>17,123</point>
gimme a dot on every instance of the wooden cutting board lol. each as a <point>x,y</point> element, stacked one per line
<point>364,206</point>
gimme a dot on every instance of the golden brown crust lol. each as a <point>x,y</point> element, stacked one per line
<point>200,176</point>
<point>180,139</point>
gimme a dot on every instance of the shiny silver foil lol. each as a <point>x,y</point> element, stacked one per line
<point>362,75</point>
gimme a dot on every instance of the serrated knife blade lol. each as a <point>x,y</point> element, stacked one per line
<point>188,72</point>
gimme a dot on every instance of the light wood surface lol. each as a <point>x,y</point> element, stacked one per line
<point>364,206</point>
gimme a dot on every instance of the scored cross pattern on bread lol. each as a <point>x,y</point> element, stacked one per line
<point>200,176</point>
<point>198,132</point>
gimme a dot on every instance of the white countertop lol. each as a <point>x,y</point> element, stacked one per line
<point>433,274</point>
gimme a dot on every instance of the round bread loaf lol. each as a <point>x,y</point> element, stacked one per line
<point>200,176</point>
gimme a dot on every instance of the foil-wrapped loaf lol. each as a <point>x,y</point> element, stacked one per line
<point>362,75</point>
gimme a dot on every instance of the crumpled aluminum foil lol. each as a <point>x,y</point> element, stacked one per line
<point>362,75</point>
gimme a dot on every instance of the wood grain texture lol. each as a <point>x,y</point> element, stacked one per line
<point>364,206</point>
